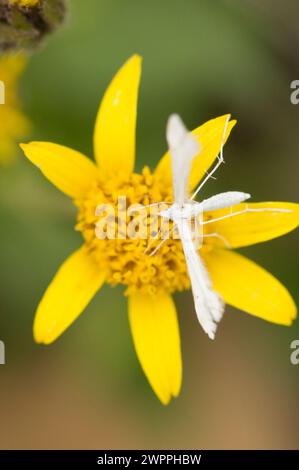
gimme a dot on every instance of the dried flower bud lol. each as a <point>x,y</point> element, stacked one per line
<point>25,23</point>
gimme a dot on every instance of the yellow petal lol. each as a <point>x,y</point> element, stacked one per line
<point>74,285</point>
<point>115,129</point>
<point>25,3</point>
<point>253,227</point>
<point>69,170</point>
<point>11,68</point>
<point>245,285</point>
<point>14,124</point>
<point>156,337</point>
<point>210,136</point>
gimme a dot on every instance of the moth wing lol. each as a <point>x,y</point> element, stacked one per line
<point>183,148</point>
<point>209,306</point>
<point>224,200</point>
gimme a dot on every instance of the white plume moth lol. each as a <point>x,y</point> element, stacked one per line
<point>183,147</point>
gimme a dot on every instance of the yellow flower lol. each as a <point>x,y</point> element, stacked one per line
<point>25,3</point>
<point>14,124</point>
<point>150,280</point>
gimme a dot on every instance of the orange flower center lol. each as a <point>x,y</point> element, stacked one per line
<point>124,255</point>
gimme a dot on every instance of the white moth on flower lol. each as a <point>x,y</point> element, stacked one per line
<point>183,147</point>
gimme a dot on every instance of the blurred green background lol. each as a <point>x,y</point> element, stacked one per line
<point>202,58</point>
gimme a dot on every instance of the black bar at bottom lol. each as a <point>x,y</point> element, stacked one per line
<point>131,459</point>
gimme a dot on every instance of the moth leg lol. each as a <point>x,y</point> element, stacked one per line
<point>244,211</point>
<point>198,231</point>
<point>162,242</point>
<point>164,236</point>
<point>133,209</point>
<point>217,235</point>
<point>220,160</point>
<point>153,240</point>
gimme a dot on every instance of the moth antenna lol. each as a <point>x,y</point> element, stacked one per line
<point>219,162</point>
